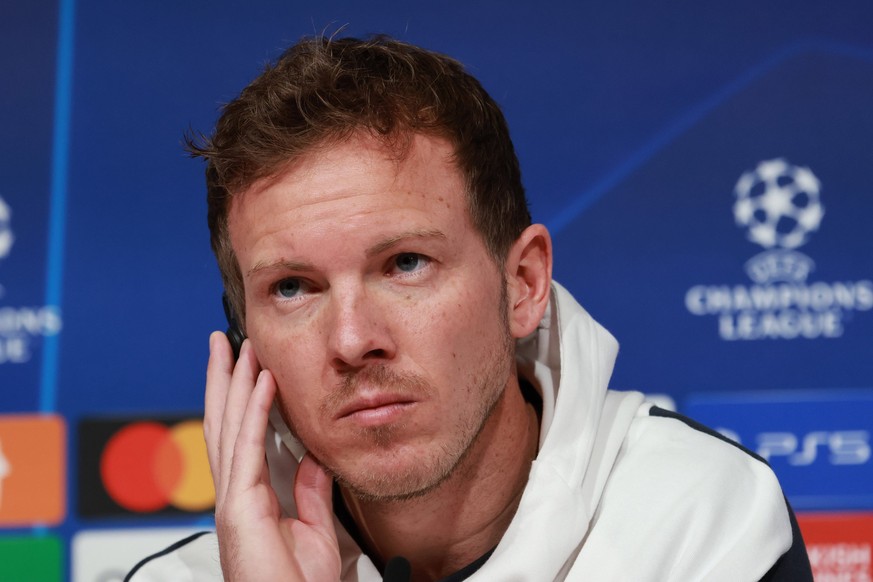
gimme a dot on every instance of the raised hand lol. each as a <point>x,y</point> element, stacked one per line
<point>256,543</point>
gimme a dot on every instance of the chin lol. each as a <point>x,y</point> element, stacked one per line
<point>389,488</point>
<point>391,476</point>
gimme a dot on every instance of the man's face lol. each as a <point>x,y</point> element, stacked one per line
<point>374,303</point>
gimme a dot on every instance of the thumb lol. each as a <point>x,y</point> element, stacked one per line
<point>313,493</point>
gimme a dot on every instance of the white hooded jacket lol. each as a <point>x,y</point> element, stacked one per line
<point>618,491</point>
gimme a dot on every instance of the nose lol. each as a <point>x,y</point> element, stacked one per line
<point>359,331</point>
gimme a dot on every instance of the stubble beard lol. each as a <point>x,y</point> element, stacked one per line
<point>417,477</point>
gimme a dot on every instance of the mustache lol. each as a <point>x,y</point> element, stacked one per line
<point>380,377</point>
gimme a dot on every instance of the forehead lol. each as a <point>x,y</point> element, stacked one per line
<point>354,186</point>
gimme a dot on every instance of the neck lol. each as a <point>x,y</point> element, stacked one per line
<point>466,516</point>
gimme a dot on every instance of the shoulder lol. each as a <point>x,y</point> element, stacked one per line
<point>701,506</point>
<point>662,437</point>
<point>194,558</point>
<point>742,482</point>
<point>667,453</point>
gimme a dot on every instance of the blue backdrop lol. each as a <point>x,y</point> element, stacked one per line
<point>705,169</point>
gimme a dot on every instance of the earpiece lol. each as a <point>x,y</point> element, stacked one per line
<point>234,331</point>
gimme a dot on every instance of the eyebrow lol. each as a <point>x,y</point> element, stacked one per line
<point>283,265</point>
<point>379,247</point>
<point>393,241</point>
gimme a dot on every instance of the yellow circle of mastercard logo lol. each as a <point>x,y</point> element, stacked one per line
<point>147,466</point>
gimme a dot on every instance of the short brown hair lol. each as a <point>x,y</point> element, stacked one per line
<point>321,91</point>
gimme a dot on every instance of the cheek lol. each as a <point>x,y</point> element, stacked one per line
<point>466,326</point>
<point>291,358</point>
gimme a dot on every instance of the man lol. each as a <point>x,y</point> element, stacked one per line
<point>413,383</point>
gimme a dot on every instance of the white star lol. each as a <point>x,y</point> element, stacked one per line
<point>772,169</point>
<point>776,201</point>
<point>806,181</point>
<point>810,218</point>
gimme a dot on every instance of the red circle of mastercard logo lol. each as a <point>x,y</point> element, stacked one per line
<point>147,466</point>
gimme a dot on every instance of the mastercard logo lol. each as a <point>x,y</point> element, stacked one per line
<point>144,466</point>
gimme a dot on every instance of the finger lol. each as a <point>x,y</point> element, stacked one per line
<point>242,383</point>
<point>218,374</point>
<point>313,494</point>
<point>249,454</point>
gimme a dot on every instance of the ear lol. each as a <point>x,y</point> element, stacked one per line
<point>529,279</point>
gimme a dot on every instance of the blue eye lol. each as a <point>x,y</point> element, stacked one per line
<point>288,288</point>
<point>409,262</point>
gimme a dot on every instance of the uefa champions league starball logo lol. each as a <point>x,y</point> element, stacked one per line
<point>779,205</point>
<point>6,238</point>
